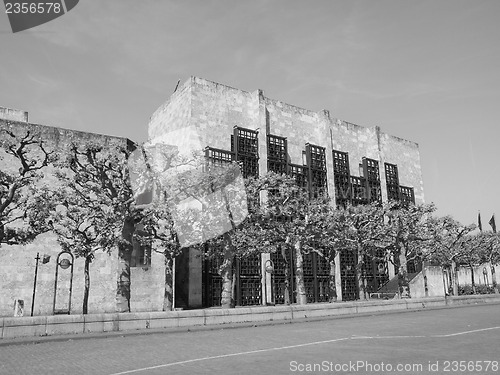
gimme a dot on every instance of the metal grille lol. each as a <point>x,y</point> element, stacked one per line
<point>348,260</point>
<point>316,161</point>
<point>316,278</point>
<point>277,154</point>
<point>316,156</point>
<point>247,141</point>
<point>279,276</point>
<point>341,178</point>
<point>358,191</point>
<point>249,291</point>
<point>299,173</point>
<point>372,180</point>
<point>392,181</point>
<point>211,282</point>
<point>217,156</point>
<point>375,270</point>
<point>407,195</point>
<point>247,151</point>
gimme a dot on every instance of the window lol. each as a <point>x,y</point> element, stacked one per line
<point>341,177</point>
<point>392,181</point>
<point>277,155</point>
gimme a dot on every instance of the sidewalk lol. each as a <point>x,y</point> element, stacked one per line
<point>25,330</point>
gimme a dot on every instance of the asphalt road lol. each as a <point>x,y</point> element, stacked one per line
<point>464,340</point>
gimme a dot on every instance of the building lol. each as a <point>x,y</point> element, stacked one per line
<point>351,162</point>
<point>348,161</point>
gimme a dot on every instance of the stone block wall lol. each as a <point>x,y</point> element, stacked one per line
<point>17,263</point>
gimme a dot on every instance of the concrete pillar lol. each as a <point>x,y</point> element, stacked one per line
<point>338,277</point>
<point>266,280</point>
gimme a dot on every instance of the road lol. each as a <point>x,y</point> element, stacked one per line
<point>422,342</point>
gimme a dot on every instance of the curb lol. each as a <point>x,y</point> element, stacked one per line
<point>76,326</point>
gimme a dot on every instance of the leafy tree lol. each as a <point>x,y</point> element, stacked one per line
<point>25,202</point>
<point>408,236</point>
<point>469,253</point>
<point>98,209</point>
<point>490,253</point>
<point>361,232</point>
<point>446,245</point>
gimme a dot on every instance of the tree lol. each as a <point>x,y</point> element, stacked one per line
<point>490,253</point>
<point>469,253</point>
<point>408,235</point>
<point>445,244</point>
<point>362,231</point>
<point>25,203</point>
<point>98,210</point>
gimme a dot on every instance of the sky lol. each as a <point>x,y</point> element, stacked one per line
<point>427,71</point>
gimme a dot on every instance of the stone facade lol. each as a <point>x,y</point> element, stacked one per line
<point>203,114</point>
<point>17,263</point>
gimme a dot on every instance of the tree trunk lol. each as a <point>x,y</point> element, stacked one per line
<point>299,275</point>
<point>403,281</point>
<point>473,281</point>
<point>125,248</point>
<point>359,274</point>
<point>332,292</point>
<point>454,278</point>
<point>284,248</point>
<point>426,285</point>
<point>493,278</point>
<point>169,284</point>
<point>226,273</point>
<point>86,271</point>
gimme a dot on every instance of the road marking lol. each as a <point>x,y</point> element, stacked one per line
<point>354,337</point>
<point>231,355</point>
<point>466,332</point>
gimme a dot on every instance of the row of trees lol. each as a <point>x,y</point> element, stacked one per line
<point>93,206</point>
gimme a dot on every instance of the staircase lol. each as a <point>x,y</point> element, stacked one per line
<point>390,289</point>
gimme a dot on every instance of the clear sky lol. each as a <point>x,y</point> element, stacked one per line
<point>427,71</point>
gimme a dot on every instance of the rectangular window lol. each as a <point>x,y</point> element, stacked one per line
<point>316,161</point>
<point>341,175</point>
<point>392,181</point>
<point>407,195</point>
<point>244,144</point>
<point>371,175</point>
<point>277,154</point>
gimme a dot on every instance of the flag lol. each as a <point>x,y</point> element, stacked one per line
<point>479,221</point>
<point>493,224</point>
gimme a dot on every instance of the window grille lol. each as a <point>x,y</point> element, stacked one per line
<point>341,178</point>
<point>316,161</point>
<point>299,173</point>
<point>372,180</point>
<point>359,194</point>
<point>277,154</point>
<point>218,157</point>
<point>392,181</point>
<point>407,195</point>
<point>244,145</point>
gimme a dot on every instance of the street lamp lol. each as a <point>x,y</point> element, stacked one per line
<point>269,267</point>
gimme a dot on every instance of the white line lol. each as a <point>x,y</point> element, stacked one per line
<point>296,346</point>
<point>230,355</point>
<point>466,332</point>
